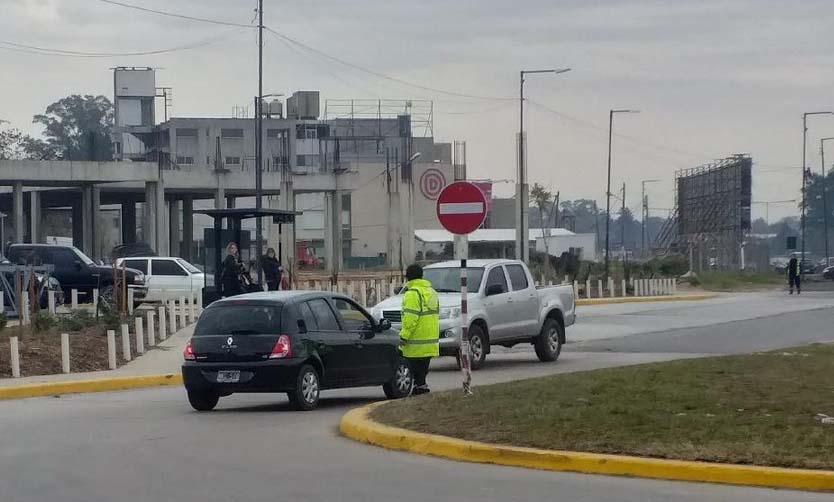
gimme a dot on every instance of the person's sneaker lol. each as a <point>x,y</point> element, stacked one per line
<point>423,389</point>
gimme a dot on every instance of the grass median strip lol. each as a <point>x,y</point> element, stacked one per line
<point>754,409</point>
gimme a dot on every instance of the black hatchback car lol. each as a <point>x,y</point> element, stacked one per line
<point>296,342</point>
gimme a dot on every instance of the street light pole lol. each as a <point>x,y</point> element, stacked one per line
<point>608,188</point>
<point>522,245</point>
<point>805,180</point>
<point>825,197</point>
<point>645,204</point>
<point>259,230</point>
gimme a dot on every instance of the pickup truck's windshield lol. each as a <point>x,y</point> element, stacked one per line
<point>447,280</point>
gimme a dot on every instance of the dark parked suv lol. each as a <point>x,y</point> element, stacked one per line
<point>75,270</point>
<point>291,341</point>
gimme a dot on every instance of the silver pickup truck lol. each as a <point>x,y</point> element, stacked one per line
<point>504,305</point>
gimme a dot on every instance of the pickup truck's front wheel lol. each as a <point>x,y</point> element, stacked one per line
<point>549,342</point>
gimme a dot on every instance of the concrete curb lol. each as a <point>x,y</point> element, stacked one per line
<point>645,299</point>
<point>357,425</point>
<point>83,386</point>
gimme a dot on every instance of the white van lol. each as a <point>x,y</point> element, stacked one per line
<point>167,278</point>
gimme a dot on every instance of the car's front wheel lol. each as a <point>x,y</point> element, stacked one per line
<point>305,395</point>
<point>203,400</point>
<point>402,383</point>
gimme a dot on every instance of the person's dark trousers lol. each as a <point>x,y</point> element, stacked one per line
<point>420,368</point>
<point>794,281</point>
<point>272,285</point>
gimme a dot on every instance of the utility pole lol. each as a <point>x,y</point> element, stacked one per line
<point>556,211</point>
<point>608,187</point>
<point>645,216</point>
<point>825,198</point>
<point>522,191</point>
<point>805,181</point>
<point>259,230</point>
<point>596,222</point>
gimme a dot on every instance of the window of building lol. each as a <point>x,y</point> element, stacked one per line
<point>231,133</point>
<point>301,160</point>
<point>307,160</point>
<point>232,161</point>
<point>311,133</point>
<point>186,132</point>
<point>185,160</point>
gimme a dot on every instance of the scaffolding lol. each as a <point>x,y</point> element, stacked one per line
<point>380,117</point>
<point>712,213</point>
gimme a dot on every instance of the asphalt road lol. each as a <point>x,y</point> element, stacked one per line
<point>148,445</point>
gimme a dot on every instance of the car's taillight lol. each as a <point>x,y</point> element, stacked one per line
<point>282,348</point>
<point>188,352</point>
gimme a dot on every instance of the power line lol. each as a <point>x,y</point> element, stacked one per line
<point>175,15</point>
<point>378,74</point>
<point>48,51</point>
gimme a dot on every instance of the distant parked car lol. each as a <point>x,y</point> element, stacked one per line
<point>75,270</point>
<point>828,272</point>
<point>167,278</point>
<point>296,342</point>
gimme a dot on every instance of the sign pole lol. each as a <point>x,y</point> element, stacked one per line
<point>465,365</point>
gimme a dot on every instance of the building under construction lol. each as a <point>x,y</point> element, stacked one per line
<point>712,214</point>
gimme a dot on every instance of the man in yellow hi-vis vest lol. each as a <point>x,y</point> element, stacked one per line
<point>419,338</point>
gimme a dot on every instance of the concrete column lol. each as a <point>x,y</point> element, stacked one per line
<point>394,231</point>
<point>163,248</point>
<point>35,228</point>
<point>187,247</point>
<point>149,216</point>
<point>333,232</point>
<point>19,226</point>
<point>128,222</point>
<point>77,223</point>
<point>230,201</point>
<point>98,230</point>
<point>174,227</point>
<point>287,238</point>
<point>87,219</point>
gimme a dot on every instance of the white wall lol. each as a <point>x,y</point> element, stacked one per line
<point>558,244</point>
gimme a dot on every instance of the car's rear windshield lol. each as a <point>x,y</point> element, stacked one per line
<point>244,319</point>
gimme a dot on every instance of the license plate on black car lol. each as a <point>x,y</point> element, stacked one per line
<point>228,376</point>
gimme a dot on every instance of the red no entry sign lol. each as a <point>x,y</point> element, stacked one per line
<point>461,207</point>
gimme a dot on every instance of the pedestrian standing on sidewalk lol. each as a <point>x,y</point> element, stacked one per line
<point>272,270</point>
<point>419,338</point>
<point>794,274</point>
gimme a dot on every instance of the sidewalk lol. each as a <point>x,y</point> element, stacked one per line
<point>164,358</point>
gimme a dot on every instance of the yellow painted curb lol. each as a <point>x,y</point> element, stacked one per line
<point>81,386</point>
<point>645,299</point>
<point>357,425</point>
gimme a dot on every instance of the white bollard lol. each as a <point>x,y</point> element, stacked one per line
<point>140,337</point>
<point>111,349</point>
<point>624,290</point>
<point>640,287</point>
<point>151,337</point>
<point>50,298</point>
<point>599,288</point>
<point>611,287</point>
<point>363,294</point>
<point>2,303</point>
<point>162,325</point>
<point>15,355</point>
<point>125,342</point>
<point>588,288</point>
<point>549,283</point>
<point>199,304</point>
<point>172,318</point>
<point>24,318</point>
<point>674,286</point>
<point>567,279</point>
<point>182,321</point>
<point>95,297</point>
<point>65,356</point>
<point>74,299</point>
<point>575,289</point>
<point>130,301</point>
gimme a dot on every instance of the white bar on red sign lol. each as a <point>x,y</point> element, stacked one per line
<point>462,208</point>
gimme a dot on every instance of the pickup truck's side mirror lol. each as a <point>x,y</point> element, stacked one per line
<point>383,325</point>
<point>494,289</point>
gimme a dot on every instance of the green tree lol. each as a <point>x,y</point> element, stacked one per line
<point>16,145</point>
<point>79,127</point>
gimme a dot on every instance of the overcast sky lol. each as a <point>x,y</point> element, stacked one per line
<point>711,78</point>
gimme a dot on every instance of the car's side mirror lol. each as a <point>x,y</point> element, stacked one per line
<point>302,326</point>
<point>494,289</point>
<point>383,325</point>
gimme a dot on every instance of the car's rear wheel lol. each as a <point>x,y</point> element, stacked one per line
<point>203,400</point>
<point>402,382</point>
<point>549,342</point>
<point>305,395</point>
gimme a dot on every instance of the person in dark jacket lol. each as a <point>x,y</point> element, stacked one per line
<point>794,274</point>
<point>230,273</point>
<point>272,270</point>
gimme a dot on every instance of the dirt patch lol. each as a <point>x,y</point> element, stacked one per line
<point>40,353</point>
